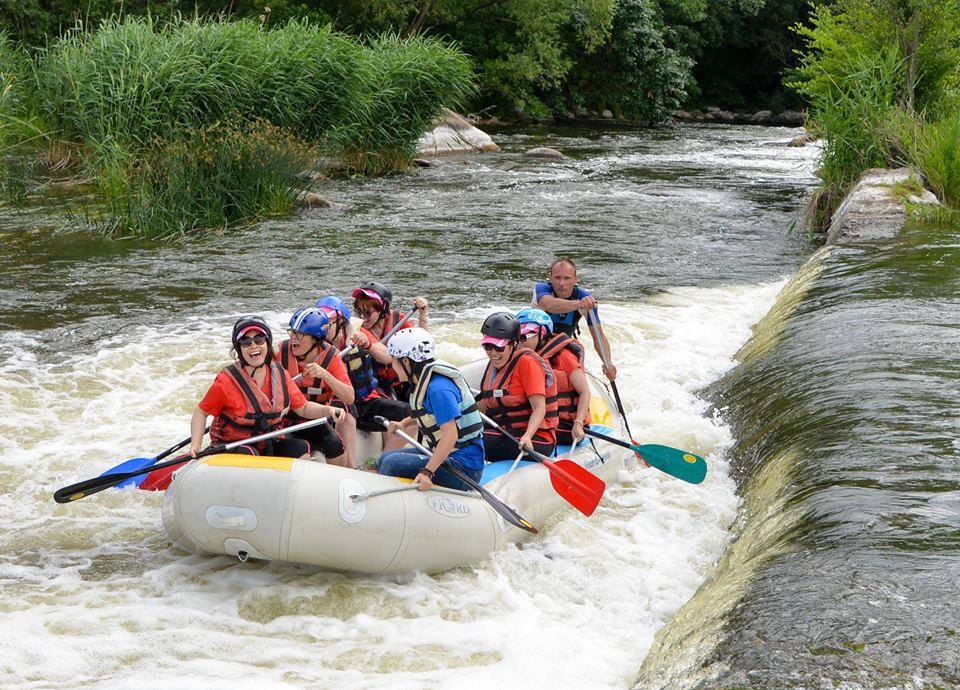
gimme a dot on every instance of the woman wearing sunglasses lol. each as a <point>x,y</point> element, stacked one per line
<point>565,357</point>
<point>371,302</point>
<point>518,391</point>
<point>323,378</point>
<point>252,396</point>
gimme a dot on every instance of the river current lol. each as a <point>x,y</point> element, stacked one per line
<point>686,235</point>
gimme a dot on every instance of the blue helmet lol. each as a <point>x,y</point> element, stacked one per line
<point>334,304</point>
<point>311,321</point>
<point>537,316</point>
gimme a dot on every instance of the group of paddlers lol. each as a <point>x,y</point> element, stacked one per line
<point>534,388</point>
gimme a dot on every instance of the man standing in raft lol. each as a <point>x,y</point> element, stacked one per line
<point>443,408</point>
<point>564,300</point>
<point>252,396</point>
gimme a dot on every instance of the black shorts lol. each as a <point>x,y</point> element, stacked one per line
<point>394,410</point>
<point>496,446</point>
<point>288,447</point>
<point>322,437</point>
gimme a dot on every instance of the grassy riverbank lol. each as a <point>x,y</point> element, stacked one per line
<point>188,124</point>
<point>884,91</point>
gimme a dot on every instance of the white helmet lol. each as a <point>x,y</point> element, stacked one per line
<point>415,343</point>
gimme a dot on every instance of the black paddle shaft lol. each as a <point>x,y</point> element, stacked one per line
<point>505,511</point>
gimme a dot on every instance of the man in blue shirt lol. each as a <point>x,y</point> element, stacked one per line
<point>443,409</point>
<point>566,302</point>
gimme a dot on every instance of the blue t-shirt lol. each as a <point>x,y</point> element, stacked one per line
<point>443,400</point>
<point>570,319</point>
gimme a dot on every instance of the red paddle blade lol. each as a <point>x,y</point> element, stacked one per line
<point>578,486</point>
<point>159,480</point>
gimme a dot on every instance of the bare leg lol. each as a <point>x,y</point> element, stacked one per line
<point>392,442</point>
<point>347,428</point>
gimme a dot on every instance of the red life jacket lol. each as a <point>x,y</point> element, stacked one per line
<point>512,412</point>
<point>263,414</point>
<point>315,390</point>
<point>567,396</point>
<point>386,376</point>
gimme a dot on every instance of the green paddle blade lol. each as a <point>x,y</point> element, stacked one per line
<point>678,463</point>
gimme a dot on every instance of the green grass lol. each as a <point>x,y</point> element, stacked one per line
<point>153,111</point>
<point>936,153</point>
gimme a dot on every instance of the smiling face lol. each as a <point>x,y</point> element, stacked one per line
<point>563,276</point>
<point>498,358</point>
<point>253,347</point>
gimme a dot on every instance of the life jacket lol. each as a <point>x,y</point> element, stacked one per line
<point>360,368</point>
<point>469,423</point>
<point>567,396</point>
<point>263,414</point>
<point>569,322</point>
<point>512,412</point>
<point>313,389</point>
<point>386,376</point>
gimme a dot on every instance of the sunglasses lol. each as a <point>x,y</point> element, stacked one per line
<point>295,335</point>
<point>490,347</point>
<point>248,340</point>
<point>367,312</point>
<point>527,336</point>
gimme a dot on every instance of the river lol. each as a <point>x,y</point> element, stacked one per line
<point>686,235</point>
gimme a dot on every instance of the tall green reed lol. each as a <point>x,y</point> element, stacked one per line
<point>936,152</point>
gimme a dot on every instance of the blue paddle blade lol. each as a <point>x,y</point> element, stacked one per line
<point>131,465</point>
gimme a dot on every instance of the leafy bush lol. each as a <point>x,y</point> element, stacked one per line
<point>217,177</point>
<point>403,84</point>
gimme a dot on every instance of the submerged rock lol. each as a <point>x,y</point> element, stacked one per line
<point>544,152</point>
<point>311,200</point>
<point>454,133</point>
<point>802,140</point>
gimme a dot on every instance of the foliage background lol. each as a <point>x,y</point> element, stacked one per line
<point>536,57</point>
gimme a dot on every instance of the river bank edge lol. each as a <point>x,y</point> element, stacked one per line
<point>683,654</point>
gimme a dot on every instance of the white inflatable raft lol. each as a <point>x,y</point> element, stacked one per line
<point>310,512</point>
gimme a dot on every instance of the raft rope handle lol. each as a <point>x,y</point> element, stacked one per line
<point>509,472</point>
<point>409,487</point>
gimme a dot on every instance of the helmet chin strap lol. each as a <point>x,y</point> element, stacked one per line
<point>407,369</point>
<point>307,353</point>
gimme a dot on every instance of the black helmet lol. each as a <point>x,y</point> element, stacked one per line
<point>245,323</point>
<point>376,288</point>
<point>502,325</point>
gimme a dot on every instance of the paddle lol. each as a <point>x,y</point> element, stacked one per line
<point>87,487</point>
<point>597,331</point>
<point>577,485</point>
<point>505,511</point>
<point>677,463</point>
<point>141,463</point>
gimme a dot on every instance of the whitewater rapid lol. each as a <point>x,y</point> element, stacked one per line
<point>92,594</point>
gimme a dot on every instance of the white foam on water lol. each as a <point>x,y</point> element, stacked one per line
<point>92,594</point>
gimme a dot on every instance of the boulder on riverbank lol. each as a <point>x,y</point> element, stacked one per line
<point>454,133</point>
<point>311,200</point>
<point>876,207</point>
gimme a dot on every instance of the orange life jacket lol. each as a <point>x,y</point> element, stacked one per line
<point>386,376</point>
<point>512,412</point>
<point>314,389</point>
<point>263,414</point>
<point>567,396</point>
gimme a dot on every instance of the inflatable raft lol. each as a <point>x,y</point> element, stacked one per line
<point>305,511</point>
